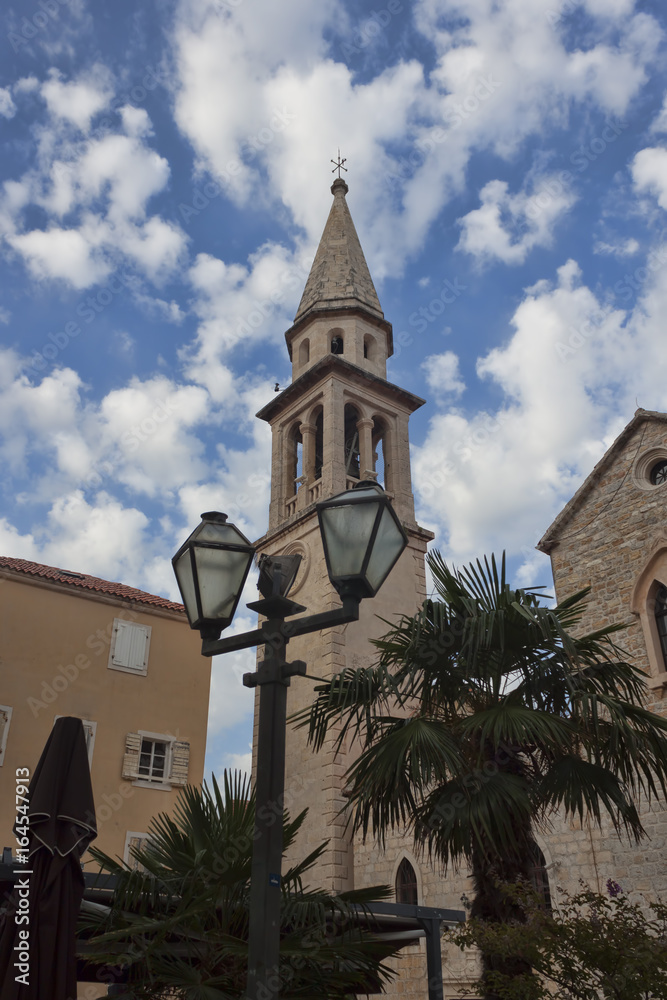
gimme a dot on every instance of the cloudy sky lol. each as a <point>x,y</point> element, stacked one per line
<point>165,177</point>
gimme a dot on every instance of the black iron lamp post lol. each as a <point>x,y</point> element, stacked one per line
<point>362,539</point>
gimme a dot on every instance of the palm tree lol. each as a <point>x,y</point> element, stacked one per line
<point>484,715</point>
<point>178,923</point>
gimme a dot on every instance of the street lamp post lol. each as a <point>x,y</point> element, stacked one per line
<point>362,539</point>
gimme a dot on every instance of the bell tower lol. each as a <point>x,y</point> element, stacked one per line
<point>339,421</point>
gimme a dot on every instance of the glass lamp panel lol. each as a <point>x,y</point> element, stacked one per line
<point>347,530</point>
<point>183,570</point>
<point>220,574</point>
<point>389,543</point>
<point>223,534</point>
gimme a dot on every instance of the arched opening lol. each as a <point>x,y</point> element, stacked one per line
<point>660,614</point>
<point>406,884</point>
<point>319,443</point>
<point>337,346</point>
<point>294,463</point>
<point>352,456</point>
<point>370,347</point>
<point>379,452</point>
<point>539,878</point>
<point>304,351</point>
<point>650,604</point>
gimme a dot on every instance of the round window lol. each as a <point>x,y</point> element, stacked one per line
<point>658,474</point>
<point>650,471</point>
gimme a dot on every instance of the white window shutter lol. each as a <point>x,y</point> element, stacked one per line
<point>134,842</point>
<point>130,645</point>
<point>180,761</point>
<point>131,756</point>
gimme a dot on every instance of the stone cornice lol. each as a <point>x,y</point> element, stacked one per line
<point>330,364</point>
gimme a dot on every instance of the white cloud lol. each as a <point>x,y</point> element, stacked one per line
<point>61,253</point>
<point>171,312</point>
<point>101,185</point>
<point>7,106</point>
<point>507,226</point>
<point>239,306</point>
<point>77,101</point>
<point>442,374</point>
<point>649,172</point>
<point>569,378</point>
<point>628,248</point>
<point>659,123</point>
<point>502,73</point>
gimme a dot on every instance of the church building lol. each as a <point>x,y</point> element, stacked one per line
<point>340,421</point>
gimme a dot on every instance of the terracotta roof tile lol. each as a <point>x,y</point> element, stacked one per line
<point>85,582</point>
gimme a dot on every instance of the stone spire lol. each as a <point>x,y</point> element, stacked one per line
<point>339,277</point>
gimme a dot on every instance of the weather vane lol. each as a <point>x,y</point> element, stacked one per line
<point>338,164</point>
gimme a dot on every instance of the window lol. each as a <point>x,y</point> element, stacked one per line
<point>134,842</point>
<point>5,719</point>
<point>129,646</point>
<point>153,759</point>
<point>304,351</point>
<point>336,345</point>
<point>661,620</point>
<point>406,884</point>
<point>89,731</point>
<point>658,474</point>
<point>156,760</point>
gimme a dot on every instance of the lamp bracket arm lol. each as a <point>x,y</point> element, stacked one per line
<point>348,612</point>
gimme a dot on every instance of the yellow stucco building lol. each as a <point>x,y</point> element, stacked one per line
<point>124,662</point>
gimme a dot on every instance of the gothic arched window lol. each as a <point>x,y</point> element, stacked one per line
<point>406,884</point>
<point>661,620</point>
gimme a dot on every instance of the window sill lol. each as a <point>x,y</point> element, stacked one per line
<point>156,785</point>
<point>139,671</point>
<point>659,682</point>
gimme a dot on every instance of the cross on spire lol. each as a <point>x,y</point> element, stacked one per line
<point>338,164</point>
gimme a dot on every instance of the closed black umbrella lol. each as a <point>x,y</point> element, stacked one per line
<point>62,824</point>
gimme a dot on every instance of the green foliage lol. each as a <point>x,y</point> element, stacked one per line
<point>179,923</point>
<point>594,948</point>
<point>485,713</point>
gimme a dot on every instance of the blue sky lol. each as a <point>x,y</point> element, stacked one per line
<point>165,180</point>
